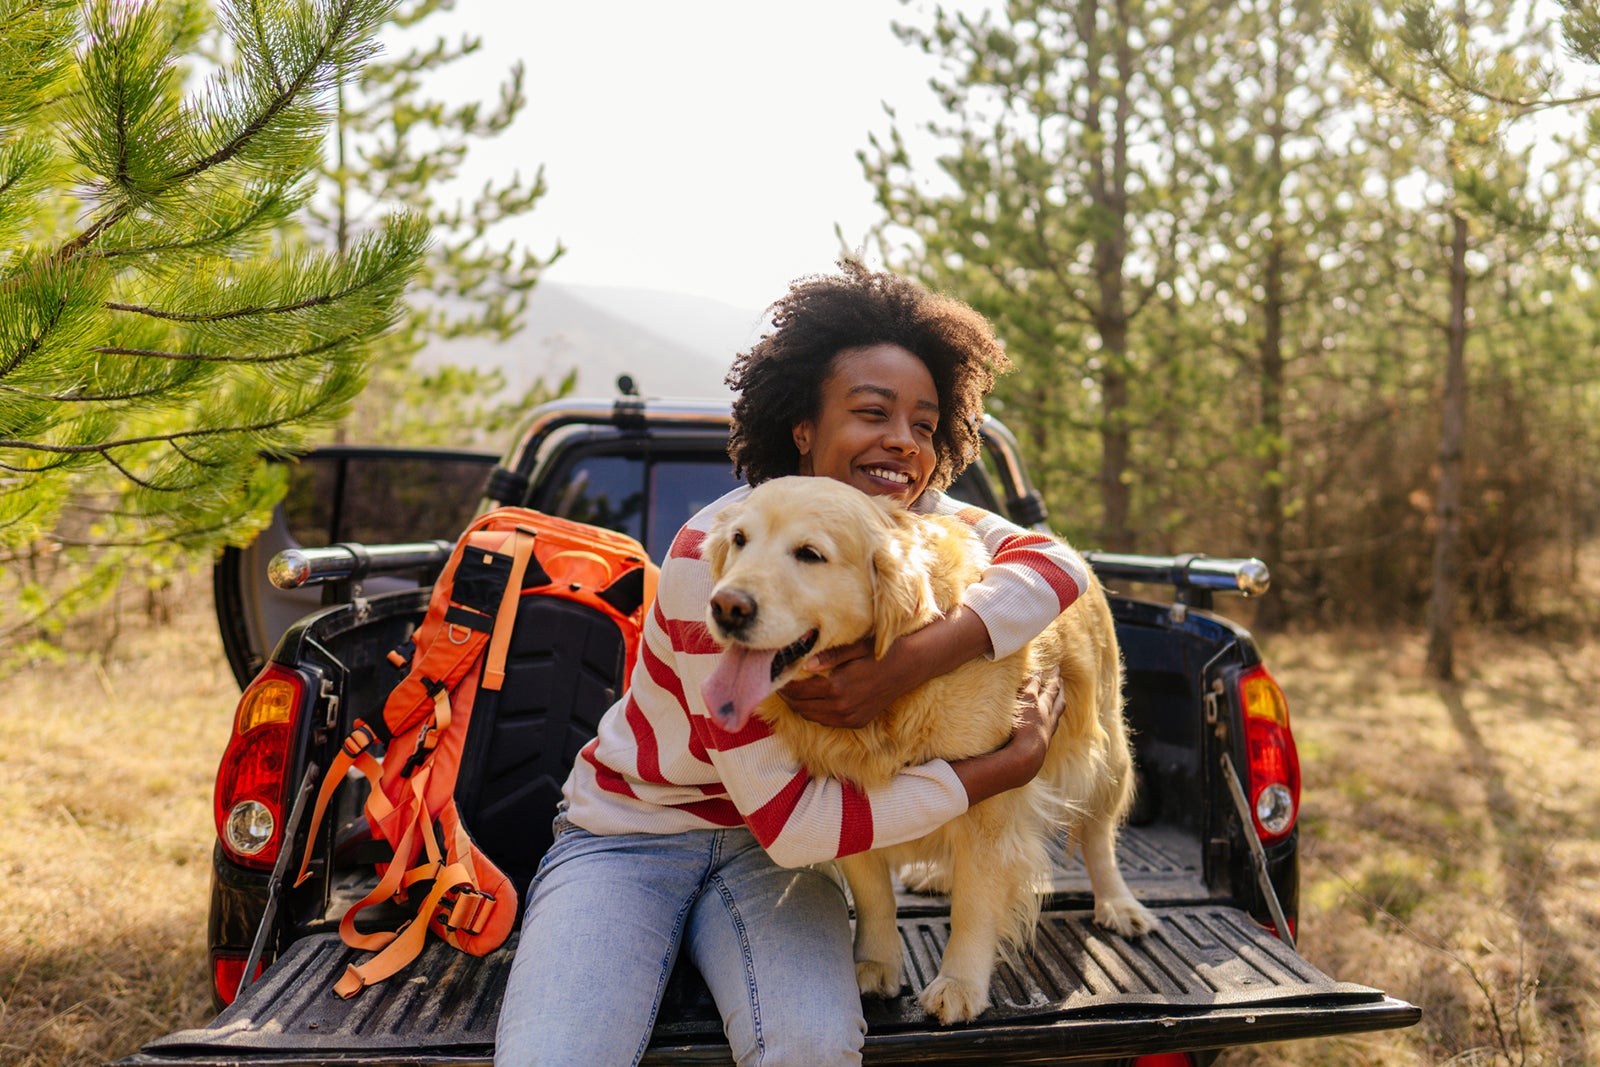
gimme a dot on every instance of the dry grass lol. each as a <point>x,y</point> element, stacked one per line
<point>1452,842</point>
<point>105,801</point>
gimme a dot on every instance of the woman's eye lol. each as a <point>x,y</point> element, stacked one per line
<point>807,554</point>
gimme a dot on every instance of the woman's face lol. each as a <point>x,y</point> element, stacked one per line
<point>875,426</point>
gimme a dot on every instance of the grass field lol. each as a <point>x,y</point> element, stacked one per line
<point>1451,840</point>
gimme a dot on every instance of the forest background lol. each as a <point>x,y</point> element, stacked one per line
<point>1282,278</point>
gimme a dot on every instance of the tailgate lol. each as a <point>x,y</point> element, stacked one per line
<point>1206,977</point>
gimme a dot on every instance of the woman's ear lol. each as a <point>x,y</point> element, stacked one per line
<point>803,432</point>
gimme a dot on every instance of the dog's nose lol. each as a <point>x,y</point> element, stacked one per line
<point>732,610</point>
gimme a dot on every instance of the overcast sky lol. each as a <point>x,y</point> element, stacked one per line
<point>695,146</point>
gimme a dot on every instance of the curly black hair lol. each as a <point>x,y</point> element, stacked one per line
<point>779,381</point>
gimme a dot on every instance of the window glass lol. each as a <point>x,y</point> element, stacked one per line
<point>379,500</point>
<point>972,487</point>
<point>603,491</point>
<point>678,489</point>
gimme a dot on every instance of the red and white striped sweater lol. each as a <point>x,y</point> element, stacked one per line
<point>661,764</point>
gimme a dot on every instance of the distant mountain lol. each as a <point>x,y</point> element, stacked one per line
<point>671,344</point>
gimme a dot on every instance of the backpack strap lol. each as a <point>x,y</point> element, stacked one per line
<point>416,837</point>
<point>353,753</point>
<point>452,893</point>
<point>494,668</point>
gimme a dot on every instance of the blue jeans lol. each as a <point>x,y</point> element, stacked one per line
<point>605,920</point>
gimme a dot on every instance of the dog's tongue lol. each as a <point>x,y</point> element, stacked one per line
<point>742,679</point>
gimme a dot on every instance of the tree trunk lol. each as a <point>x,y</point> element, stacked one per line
<point>1269,495</point>
<point>1452,436</point>
<point>1108,188</point>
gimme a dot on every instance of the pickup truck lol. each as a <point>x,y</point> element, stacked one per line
<point>1212,846</point>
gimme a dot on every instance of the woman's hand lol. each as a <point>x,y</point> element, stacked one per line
<point>857,688</point>
<point>1040,703</point>
<point>1039,706</point>
<point>850,690</point>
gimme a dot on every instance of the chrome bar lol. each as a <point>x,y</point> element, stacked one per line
<point>296,567</point>
<point>1249,577</point>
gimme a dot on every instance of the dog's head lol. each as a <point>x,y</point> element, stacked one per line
<point>805,563</point>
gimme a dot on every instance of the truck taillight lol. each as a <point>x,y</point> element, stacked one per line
<point>227,969</point>
<point>250,793</point>
<point>1274,763</point>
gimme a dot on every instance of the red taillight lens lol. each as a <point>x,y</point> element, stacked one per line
<point>1274,764</point>
<point>1165,1059</point>
<point>250,792</point>
<point>226,970</point>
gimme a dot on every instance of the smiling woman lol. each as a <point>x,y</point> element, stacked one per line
<point>875,428</point>
<point>683,828</point>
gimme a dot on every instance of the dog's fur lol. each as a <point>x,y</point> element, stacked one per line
<point>810,563</point>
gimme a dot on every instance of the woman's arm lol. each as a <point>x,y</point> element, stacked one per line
<point>1030,580</point>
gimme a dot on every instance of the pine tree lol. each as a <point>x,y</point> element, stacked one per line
<point>1058,215</point>
<point>392,146</point>
<point>1465,80</point>
<point>158,331</point>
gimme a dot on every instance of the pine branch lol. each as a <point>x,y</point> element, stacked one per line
<point>160,389</point>
<point>302,80</point>
<point>162,438</point>
<point>203,357</point>
<point>28,350</point>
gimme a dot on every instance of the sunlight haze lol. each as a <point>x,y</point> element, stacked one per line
<point>706,147</point>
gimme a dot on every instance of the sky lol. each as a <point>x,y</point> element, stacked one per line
<point>705,147</point>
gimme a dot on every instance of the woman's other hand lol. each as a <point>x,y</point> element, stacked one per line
<point>1040,703</point>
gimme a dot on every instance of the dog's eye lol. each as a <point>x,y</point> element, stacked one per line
<point>737,539</point>
<point>807,554</point>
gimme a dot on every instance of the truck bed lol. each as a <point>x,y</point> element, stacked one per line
<point>1208,975</point>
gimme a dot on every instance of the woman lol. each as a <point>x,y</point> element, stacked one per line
<point>674,833</point>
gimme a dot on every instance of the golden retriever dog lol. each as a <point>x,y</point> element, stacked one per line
<point>809,563</point>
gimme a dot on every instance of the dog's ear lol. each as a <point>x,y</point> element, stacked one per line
<point>902,595</point>
<point>714,549</point>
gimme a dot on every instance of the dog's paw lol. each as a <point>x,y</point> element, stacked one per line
<point>879,979</point>
<point>954,1000</point>
<point>925,877</point>
<point>1125,916</point>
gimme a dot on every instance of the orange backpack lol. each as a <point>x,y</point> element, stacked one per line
<point>509,571</point>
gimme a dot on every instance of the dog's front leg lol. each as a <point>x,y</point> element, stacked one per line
<point>978,895</point>
<point>880,959</point>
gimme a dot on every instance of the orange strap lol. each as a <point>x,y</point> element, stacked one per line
<point>407,944</point>
<point>397,876</point>
<point>353,754</point>
<point>652,577</point>
<point>494,668</point>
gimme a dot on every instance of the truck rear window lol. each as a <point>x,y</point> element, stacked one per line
<point>646,497</point>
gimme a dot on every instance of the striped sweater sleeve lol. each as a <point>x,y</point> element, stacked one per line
<point>1031,577</point>
<point>662,763</point>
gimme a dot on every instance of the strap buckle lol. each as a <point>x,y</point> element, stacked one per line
<point>425,746</point>
<point>465,909</point>
<point>359,739</point>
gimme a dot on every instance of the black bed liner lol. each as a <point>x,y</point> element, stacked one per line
<point>1207,975</point>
